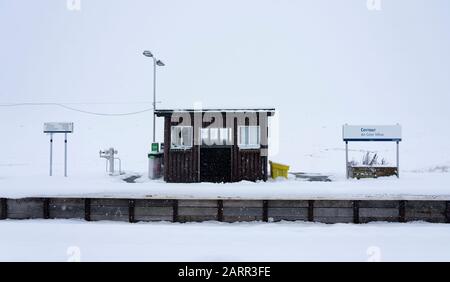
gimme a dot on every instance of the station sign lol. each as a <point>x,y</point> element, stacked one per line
<point>58,127</point>
<point>372,132</point>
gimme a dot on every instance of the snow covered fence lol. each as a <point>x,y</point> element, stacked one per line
<point>228,210</point>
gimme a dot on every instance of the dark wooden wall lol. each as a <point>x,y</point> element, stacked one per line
<point>179,165</point>
<point>182,166</point>
<point>247,165</point>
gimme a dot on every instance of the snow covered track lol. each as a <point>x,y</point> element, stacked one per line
<point>174,210</point>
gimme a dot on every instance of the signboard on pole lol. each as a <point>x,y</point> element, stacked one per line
<point>372,132</point>
<point>58,127</point>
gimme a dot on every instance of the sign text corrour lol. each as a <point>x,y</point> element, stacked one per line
<point>372,132</point>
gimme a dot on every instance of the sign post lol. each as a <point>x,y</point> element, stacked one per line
<point>65,154</point>
<point>368,133</point>
<point>346,159</point>
<point>58,127</point>
<point>51,153</point>
<point>398,160</point>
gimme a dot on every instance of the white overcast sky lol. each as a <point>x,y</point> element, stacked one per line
<point>320,63</point>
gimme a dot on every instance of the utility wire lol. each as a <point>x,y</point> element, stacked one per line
<point>75,109</point>
<point>80,103</point>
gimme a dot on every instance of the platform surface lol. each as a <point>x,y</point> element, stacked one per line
<point>411,186</point>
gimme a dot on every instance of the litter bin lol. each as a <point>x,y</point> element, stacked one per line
<point>155,158</point>
<point>277,170</point>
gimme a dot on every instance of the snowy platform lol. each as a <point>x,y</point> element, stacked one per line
<point>413,197</point>
<point>411,186</point>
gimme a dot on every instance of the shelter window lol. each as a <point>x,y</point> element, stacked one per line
<point>216,136</point>
<point>249,137</point>
<point>181,137</point>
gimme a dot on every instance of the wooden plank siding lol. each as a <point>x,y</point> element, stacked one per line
<point>227,210</point>
<point>153,210</point>
<point>25,208</point>
<point>249,165</point>
<point>328,211</point>
<point>182,165</point>
<point>66,208</point>
<point>370,211</point>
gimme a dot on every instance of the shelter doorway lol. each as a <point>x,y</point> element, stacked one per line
<point>215,164</point>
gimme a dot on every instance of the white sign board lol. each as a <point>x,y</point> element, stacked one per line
<point>372,132</point>
<point>58,127</point>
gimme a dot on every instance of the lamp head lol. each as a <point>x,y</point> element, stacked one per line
<point>147,54</point>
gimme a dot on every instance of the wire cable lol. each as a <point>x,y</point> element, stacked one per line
<point>76,109</point>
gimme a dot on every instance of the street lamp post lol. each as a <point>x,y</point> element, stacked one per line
<point>156,62</point>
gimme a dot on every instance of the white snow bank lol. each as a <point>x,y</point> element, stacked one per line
<point>426,186</point>
<point>69,240</point>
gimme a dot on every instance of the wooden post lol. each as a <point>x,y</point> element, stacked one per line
<point>87,209</point>
<point>447,212</point>
<point>265,211</point>
<point>220,210</point>
<point>175,210</point>
<point>131,206</point>
<point>167,167</point>
<point>236,160</point>
<point>355,211</point>
<point>401,211</point>
<point>4,210</point>
<point>310,210</point>
<point>265,171</point>
<point>46,208</point>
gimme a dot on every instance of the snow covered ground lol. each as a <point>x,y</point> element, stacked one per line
<point>430,186</point>
<point>68,240</point>
<point>321,64</point>
<point>355,72</point>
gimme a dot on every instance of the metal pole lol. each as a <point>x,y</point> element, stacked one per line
<point>154,98</point>
<point>111,161</point>
<point>346,159</point>
<point>51,153</point>
<point>398,160</point>
<point>65,154</point>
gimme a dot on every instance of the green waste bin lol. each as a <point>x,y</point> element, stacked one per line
<point>155,160</point>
